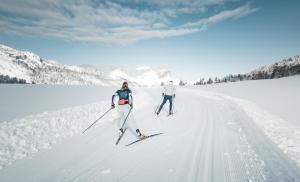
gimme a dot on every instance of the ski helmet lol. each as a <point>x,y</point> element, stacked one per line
<point>125,85</point>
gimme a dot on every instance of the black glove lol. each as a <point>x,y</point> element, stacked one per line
<point>174,96</point>
<point>112,106</point>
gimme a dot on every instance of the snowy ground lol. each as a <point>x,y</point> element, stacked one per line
<point>211,137</point>
<point>278,96</point>
<point>22,100</point>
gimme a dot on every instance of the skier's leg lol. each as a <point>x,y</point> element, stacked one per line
<point>162,104</point>
<point>171,105</point>
<point>121,117</point>
<point>131,124</point>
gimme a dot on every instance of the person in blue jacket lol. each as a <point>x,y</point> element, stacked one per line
<point>125,105</point>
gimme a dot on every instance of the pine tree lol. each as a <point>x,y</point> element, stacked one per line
<point>210,81</point>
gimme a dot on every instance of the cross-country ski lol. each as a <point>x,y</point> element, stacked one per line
<point>143,138</point>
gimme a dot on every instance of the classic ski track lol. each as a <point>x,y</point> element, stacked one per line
<point>279,166</point>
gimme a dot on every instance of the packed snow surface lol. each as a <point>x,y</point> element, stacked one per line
<point>213,136</point>
<point>23,99</point>
<point>277,96</point>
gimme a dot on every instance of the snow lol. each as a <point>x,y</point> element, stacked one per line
<point>23,137</point>
<point>118,74</point>
<point>277,96</point>
<point>145,67</point>
<point>6,68</point>
<point>217,133</point>
<point>282,133</point>
<point>144,76</point>
<point>23,99</point>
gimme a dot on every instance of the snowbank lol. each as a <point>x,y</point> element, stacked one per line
<point>282,133</point>
<point>24,137</point>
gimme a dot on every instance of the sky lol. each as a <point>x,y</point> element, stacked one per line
<point>191,38</point>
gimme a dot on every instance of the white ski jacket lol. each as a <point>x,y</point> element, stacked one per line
<point>169,89</point>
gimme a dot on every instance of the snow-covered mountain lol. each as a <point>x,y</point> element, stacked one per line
<point>283,68</point>
<point>34,69</point>
<point>143,75</point>
<point>286,67</point>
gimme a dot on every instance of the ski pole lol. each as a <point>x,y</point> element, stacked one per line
<point>158,105</point>
<point>97,120</point>
<point>173,104</point>
<point>126,118</point>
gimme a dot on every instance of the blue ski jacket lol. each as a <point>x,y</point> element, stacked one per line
<point>125,96</point>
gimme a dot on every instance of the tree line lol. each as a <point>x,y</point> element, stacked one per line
<point>278,70</point>
<point>8,79</point>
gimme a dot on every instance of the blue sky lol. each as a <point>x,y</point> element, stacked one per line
<point>192,38</point>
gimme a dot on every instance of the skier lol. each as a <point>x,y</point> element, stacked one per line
<point>124,108</point>
<point>168,95</point>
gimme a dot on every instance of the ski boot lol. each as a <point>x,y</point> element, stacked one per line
<point>121,131</point>
<point>157,113</point>
<point>140,135</point>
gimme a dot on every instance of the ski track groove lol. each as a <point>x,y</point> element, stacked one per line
<point>273,158</point>
<point>241,159</point>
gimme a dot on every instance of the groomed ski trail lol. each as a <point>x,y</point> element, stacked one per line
<point>206,140</point>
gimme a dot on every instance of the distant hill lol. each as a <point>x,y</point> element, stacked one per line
<point>26,67</point>
<point>286,67</point>
<point>283,68</point>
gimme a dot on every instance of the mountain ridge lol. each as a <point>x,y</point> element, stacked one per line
<point>285,67</point>
<point>24,65</point>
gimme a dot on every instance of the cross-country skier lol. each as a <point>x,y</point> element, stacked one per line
<point>168,95</point>
<point>124,106</point>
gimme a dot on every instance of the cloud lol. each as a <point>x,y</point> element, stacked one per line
<point>222,16</point>
<point>110,22</point>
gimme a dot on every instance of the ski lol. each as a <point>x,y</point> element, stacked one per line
<point>120,137</point>
<point>141,139</point>
<point>171,114</point>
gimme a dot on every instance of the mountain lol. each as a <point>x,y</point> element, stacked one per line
<point>20,66</point>
<point>283,68</point>
<point>143,75</point>
<point>286,67</point>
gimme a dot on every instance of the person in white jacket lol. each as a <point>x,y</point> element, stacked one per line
<point>168,95</point>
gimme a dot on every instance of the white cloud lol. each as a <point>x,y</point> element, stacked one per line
<point>221,16</point>
<point>109,22</point>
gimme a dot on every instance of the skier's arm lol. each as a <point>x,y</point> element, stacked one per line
<point>174,91</point>
<point>113,99</point>
<point>164,91</point>
<point>130,99</point>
